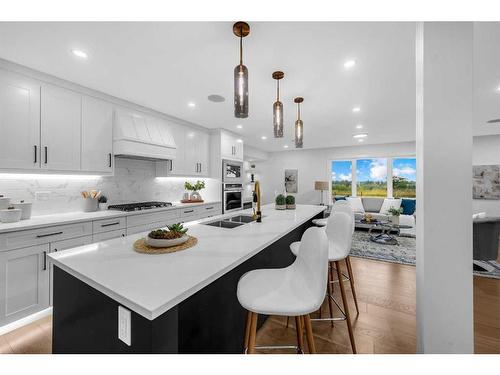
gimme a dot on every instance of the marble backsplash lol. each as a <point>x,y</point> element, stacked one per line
<point>134,181</point>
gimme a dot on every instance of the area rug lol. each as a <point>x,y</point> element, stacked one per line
<point>403,253</point>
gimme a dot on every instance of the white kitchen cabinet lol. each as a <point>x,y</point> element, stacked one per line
<point>177,165</point>
<point>63,245</point>
<point>19,122</point>
<point>98,237</point>
<point>231,146</point>
<point>24,282</point>
<point>97,135</point>
<point>61,115</point>
<point>196,153</point>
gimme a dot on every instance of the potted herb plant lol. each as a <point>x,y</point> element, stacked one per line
<point>290,202</point>
<point>195,190</point>
<point>280,202</point>
<point>394,214</point>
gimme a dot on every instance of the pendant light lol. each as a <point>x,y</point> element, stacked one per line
<point>299,125</point>
<point>278,108</point>
<point>241,30</point>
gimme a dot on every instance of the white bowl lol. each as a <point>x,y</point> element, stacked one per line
<point>10,216</point>
<point>155,242</point>
<point>4,203</point>
<point>25,208</point>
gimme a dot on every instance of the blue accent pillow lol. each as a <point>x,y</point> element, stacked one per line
<point>408,206</point>
<point>339,198</point>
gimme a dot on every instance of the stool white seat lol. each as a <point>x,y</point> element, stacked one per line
<point>320,222</point>
<point>296,290</point>
<point>339,230</point>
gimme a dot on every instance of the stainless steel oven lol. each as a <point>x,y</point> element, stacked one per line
<point>232,172</point>
<point>232,196</point>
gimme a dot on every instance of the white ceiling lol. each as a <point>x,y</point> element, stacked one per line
<point>165,65</point>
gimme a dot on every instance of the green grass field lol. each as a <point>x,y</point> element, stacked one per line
<point>401,188</point>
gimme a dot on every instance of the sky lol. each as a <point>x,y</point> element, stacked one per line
<point>374,169</point>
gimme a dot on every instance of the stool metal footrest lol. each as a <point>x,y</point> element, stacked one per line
<point>276,347</point>
<point>336,319</point>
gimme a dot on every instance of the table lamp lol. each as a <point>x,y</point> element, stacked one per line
<point>321,186</point>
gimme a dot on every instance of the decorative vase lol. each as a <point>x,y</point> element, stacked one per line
<point>103,206</point>
<point>281,206</point>
<point>185,196</point>
<point>290,206</point>
<point>195,196</point>
<point>395,220</point>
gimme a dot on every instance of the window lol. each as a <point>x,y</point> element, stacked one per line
<point>341,177</point>
<point>371,177</point>
<point>404,173</point>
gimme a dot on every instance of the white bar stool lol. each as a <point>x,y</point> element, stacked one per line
<point>339,231</point>
<point>296,290</point>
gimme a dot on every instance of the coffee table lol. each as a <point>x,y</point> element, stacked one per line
<point>386,228</point>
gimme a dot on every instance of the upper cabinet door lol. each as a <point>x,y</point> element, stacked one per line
<point>177,165</point>
<point>19,122</point>
<point>203,157</point>
<point>238,149</point>
<point>97,135</point>
<point>226,145</point>
<point>61,116</point>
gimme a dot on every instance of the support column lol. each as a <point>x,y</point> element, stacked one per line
<point>444,52</point>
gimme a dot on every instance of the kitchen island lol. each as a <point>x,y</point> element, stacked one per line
<point>182,302</point>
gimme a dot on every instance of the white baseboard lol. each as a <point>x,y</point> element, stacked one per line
<point>25,321</point>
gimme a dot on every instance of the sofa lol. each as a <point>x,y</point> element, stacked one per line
<point>377,207</point>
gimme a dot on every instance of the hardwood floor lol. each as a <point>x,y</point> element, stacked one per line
<point>386,322</point>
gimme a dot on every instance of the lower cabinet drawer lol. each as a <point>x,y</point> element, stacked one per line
<point>31,237</point>
<point>149,227</point>
<point>212,209</point>
<point>153,217</point>
<point>109,235</point>
<point>107,225</point>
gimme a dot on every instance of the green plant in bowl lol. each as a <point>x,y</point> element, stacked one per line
<point>280,202</point>
<point>290,202</point>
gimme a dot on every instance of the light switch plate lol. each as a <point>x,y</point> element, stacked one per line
<point>124,325</point>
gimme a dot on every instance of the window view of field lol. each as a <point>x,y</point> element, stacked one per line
<point>371,176</point>
<point>342,178</point>
<point>404,173</point>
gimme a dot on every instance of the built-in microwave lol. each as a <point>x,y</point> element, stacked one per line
<point>232,171</point>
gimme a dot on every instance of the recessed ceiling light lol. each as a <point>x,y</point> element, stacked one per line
<point>359,126</point>
<point>239,126</point>
<point>263,137</point>
<point>79,53</point>
<point>285,146</point>
<point>239,140</point>
<point>349,64</point>
<point>356,109</point>
<point>191,105</point>
<point>361,140</point>
<point>498,88</point>
<point>360,135</point>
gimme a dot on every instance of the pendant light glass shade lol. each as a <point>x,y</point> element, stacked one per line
<point>241,30</point>
<point>278,107</point>
<point>299,126</point>
<point>241,91</point>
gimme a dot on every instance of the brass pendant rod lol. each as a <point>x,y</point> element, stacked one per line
<point>241,45</point>
<point>278,90</point>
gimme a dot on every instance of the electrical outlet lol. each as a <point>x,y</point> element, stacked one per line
<point>42,195</point>
<point>124,328</point>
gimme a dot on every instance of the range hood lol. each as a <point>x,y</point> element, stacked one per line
<point>140,136</point>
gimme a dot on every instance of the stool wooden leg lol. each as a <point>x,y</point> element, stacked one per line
<point>253,333</point>
<point>351,280</point>
<point>346,306</point>
<point>330,292</point>
<point>247,330</point>
<point>298,328</point>
<point>287,321</point>
<point>309,334</point>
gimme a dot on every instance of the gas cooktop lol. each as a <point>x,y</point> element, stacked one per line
<point>139,206</point>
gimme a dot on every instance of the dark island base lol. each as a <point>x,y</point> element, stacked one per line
<point>210,321</point>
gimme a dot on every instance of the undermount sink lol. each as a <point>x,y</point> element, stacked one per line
<point>231,222</point>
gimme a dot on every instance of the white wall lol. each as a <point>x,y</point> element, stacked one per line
<point>134,181</point>
<point>486,150</point>
<point>314,165</point>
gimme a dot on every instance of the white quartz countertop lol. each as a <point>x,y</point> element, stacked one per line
<point>75,217</point>
<point>152,284</point>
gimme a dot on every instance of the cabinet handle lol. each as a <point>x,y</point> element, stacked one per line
<point>200,168</point>
<point>49,234</point>
<point>171,165</point>
<point>209,208</point>
<point>46,152</point>
<point>110,159</point>
<point>186,212</point>
<point>110,224</point>
<point>44,260</point>
<point>36,149</point>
